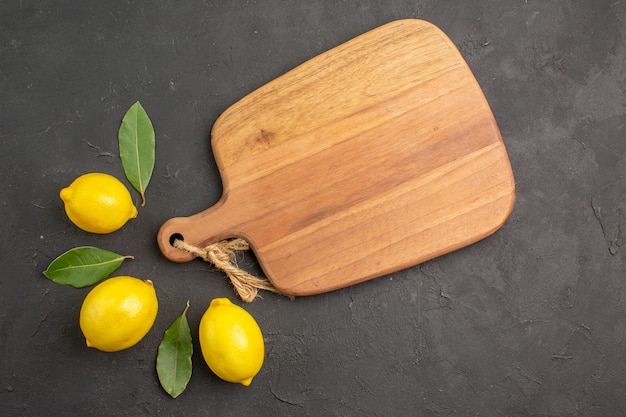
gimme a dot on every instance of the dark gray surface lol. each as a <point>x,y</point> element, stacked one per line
<point>529,322</point>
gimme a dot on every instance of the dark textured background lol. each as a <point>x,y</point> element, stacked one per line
<point>529,322</point>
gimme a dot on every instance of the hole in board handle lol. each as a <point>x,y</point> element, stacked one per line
<point>174,237</point>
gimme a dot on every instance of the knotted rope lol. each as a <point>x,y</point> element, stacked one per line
<point>223,255</point>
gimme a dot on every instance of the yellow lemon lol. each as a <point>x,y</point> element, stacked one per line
<point>231,342</point>
<point>118,313</point>
<point>98,203</point>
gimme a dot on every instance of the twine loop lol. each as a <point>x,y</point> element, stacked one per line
<point>223,255</point>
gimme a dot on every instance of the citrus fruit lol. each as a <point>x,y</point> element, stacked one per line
<point>98,203</point>
<point>117,313</point>
<point>231,342</point>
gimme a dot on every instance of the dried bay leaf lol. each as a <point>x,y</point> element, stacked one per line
<point>83,266</point>
<point>136,143</point>
<point>173,363</point>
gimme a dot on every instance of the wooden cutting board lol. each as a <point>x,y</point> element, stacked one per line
<point>375,156</point>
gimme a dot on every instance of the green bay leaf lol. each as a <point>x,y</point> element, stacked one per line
<point>136,143</point>
<point>173,363</point>
<point>83,266</point>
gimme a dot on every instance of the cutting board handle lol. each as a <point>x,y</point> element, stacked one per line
<point>209,226</point>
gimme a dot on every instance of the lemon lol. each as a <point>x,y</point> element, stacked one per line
<point>98,203</point>
<point>118,313</point>
<point>231,342</point>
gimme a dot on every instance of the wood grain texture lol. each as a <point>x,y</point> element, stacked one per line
<point>373,157</point>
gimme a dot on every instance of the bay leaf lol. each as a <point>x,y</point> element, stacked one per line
<point>136,143</point>
<point>83,266</point>
<point>173,363</point>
